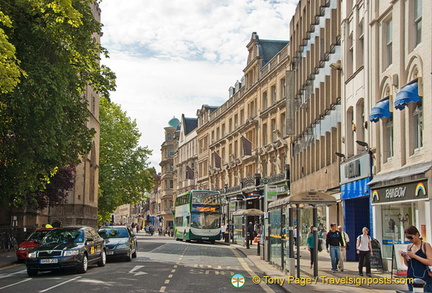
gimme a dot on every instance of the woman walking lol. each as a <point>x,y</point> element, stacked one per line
<point>311,246</point>
<point>364,250</point>
<point>418,258</point>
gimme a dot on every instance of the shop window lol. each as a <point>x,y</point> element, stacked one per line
<point>395,219</point>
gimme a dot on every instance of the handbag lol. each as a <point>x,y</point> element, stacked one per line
<point>255,240</point>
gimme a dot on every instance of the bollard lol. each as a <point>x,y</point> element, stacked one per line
<point>258,248</point>
<point>247,240</point>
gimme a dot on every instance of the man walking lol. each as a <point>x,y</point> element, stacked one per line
<point>345,240</point>
<point>333,245</point>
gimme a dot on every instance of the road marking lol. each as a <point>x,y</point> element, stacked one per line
<point>170,276</point>
<point>167,281</point>
<point>250,271</point>
<point>10,285</point>
<point>162,289</point>
<point>11,274</point>
<point>132,271</point>
<point>173,270</point>
<point>58,285</point>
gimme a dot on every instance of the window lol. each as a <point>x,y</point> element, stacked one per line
<point>350,59</point>
<point>360,45</point>
<point>388,138</point>
<point>389,43</point>
<point>264,134</point>
<point>169,137</point>
<point>283,88</point>
<point>417,21</point>
<point>273,94</point>
<point>416,125</point>
<point>264,101</point>
<point>273,128</point>
<point>283,123</point>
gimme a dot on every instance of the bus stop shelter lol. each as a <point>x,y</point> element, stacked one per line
<point>298,201</point>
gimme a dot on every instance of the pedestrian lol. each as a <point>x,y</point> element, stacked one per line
<point>364,250</point>
<point>223,231</point>
<point>345,245</point>
<point>418,258</point>
<point>250,232</point>
<point>295,235</point>
<point>333,245</point>
<point>310,241</point>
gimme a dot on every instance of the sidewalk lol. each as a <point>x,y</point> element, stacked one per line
<point>7,258</point>
<point>349,280</point>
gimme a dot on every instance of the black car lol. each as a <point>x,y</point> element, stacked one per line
<point>69,247</point>
<point>120,241</point>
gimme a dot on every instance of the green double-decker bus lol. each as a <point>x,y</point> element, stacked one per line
<point>197,216</point>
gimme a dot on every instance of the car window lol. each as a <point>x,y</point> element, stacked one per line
<point>113,233</point>
<point>64,236</point>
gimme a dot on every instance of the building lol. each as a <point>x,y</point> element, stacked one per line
<point>315,107</point>
<point>165,193</point>
<point>356,155</point>
<point>401,112</point>
<point>186,156</point>
<point>244,140</point>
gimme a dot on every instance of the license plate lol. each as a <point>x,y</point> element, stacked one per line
<point>49,260</point>
<point>110,252</point>
<point>205,238</point>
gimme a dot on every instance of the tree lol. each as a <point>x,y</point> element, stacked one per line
<point>43,116</point>
<point>124,176</point>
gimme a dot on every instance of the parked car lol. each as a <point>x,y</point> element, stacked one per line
<point>120,242</point>
<point>33,240</point>
<point>69,247</point>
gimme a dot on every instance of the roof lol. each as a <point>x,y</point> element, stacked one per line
<point>189,124</point>
<point>269,49</point>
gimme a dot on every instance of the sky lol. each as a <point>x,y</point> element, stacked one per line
<point>172,57</point>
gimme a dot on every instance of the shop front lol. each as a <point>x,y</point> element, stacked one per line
<point>398,203</point>
<point>355,174</point>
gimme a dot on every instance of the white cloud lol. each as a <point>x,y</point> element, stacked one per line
<point>171,57</point>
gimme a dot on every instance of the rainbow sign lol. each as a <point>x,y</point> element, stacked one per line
<point>420,189</point>
<point>375,196</point>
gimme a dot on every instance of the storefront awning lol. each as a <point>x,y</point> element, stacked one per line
<point>400,173</point>
<point>380,110</point>
<point>407,94</point>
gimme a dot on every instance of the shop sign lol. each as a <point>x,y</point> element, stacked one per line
<point>410,191</point>
<point>272,192</point>
<point>253,194</point>
<point>355,169</point>
<point>236,198</point>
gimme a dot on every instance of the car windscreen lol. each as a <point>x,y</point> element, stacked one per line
<point>37,235</point>
<point>64,236</point>
<point>113,233</point>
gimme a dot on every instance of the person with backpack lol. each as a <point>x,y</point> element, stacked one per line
<point>418,258</point>
<point>364,250</point>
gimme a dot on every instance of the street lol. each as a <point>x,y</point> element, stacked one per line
<point>162,265</point>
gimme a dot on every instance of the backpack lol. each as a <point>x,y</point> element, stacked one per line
<point>320,245</point>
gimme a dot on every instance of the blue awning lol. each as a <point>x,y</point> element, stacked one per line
<point>407,94</point>
<point>380,110</point>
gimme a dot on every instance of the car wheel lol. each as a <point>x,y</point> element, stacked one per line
<point>84,264</point>
<point>129,255</point>
<point>102,261</point>
<point>32,273</point>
